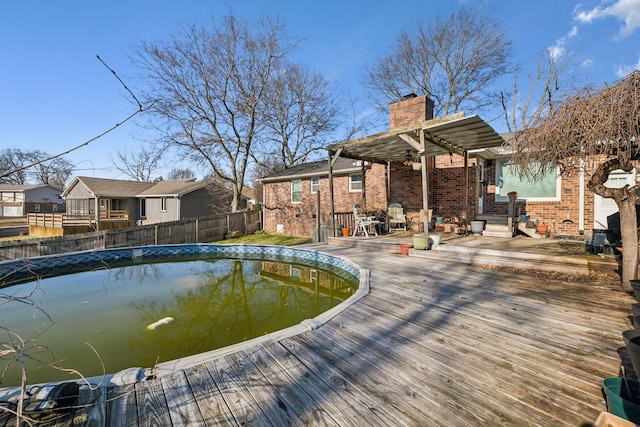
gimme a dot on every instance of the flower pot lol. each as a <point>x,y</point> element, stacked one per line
<point>416,166</point>
<point>606,419</point>
<point>635,284</point>
<point>477,227</point>
<point>542,228</point>
<point>421,242</point>
<point>636,315</point>
<point>346,232</point>
<point>404,248</point>
<point>620,401</point>
<point>632,341</point>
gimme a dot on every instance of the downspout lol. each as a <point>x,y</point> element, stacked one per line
<point>264,210</point>
<point>581,198</point>
<point>466,189</point>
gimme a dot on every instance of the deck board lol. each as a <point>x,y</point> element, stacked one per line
<point>433,343</point>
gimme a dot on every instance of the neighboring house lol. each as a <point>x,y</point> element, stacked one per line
<point>144,202</point>
<point>172,200</point>
<point>19,200</point>
<point>473,179</point>
<point>88,196</point>
<point>290,197</point>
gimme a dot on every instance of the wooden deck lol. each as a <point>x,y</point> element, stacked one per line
<point>434,343</point>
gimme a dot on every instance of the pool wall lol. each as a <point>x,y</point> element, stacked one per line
<point>21,270</point>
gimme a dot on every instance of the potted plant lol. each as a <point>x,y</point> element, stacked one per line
<point>542,228</point>
<point>421,241</point>
<point>346,231</point>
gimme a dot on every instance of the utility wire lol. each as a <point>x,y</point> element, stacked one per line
<point>139,110</point>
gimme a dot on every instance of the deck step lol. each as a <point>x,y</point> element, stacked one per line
<point>479,256</point>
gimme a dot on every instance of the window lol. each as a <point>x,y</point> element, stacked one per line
<point>545,189</point>
<point>37,207</point>
<point>143,208</point>
<point>296,191</point>
<point>355,182</point>
<point>163,204</point>
<point>315,185</point>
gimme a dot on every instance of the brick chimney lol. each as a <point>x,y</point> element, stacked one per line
<point>410,110</point>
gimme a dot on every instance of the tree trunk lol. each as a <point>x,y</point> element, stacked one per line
<point>628,230</point>
<point>625,198</point>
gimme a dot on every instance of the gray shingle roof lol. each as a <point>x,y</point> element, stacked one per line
<point>315,169</point>
<point>104,187</point>
<point>170,188</point>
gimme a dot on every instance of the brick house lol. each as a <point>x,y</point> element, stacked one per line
<point>290,197</point>
<point>468,175</point>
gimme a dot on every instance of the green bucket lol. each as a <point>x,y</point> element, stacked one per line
<point>618,399</point>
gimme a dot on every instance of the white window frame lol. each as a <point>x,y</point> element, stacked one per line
<point>298,192</point>
<point>315,187</point>
<point>351,182</point>
<point>163,204</point>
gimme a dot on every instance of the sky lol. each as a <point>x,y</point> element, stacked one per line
<point>55,95</point>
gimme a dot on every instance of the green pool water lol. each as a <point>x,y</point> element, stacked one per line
<point>85,320</point>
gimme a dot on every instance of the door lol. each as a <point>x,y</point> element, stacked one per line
<point>603,207</point>
<point>480,186</point>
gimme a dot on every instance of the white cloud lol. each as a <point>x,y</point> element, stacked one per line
<point>587,63</point>
<point>624,70</point>
<point>627,11</point>
<point>558,50</point>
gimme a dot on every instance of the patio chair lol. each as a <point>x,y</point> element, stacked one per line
<point>363,222</point>
<point>397,218</point>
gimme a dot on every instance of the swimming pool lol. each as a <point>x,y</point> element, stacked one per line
<point>277,282</point>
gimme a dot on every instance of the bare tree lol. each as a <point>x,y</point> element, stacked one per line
<point>181,173</point>
<point>20,167</point>
<point>207,86</point>
<point>300,113</point>
<point>138,166</point>
<point>454,61</point>
<point>552,78</point>
<point>591,126</point>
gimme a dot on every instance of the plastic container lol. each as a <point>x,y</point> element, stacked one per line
<point>619,401</point>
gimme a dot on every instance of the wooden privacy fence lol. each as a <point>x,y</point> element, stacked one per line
<point>192,230</point>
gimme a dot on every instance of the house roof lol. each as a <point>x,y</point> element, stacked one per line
<point>26,187</point>
<point>171,188</point>
<point>315,169</point>
<point>104,187</point>
<point>452,134</point>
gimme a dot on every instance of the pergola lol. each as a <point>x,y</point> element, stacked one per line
<point>453,134</point>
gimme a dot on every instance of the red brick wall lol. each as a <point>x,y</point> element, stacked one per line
<point>562,216</point>
<point>446,188</point>
<point>410,111</point>
<point>299,219</point>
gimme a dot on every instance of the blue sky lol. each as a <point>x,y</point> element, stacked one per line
<point>55,94</point>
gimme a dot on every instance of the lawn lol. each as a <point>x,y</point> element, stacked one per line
<point>267,239</point>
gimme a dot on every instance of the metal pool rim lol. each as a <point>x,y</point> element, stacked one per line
<point>15,271</point>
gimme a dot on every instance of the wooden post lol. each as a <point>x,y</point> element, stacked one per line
<point>318,214</point>
<point>332,209</point>
<point>425,185</point>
